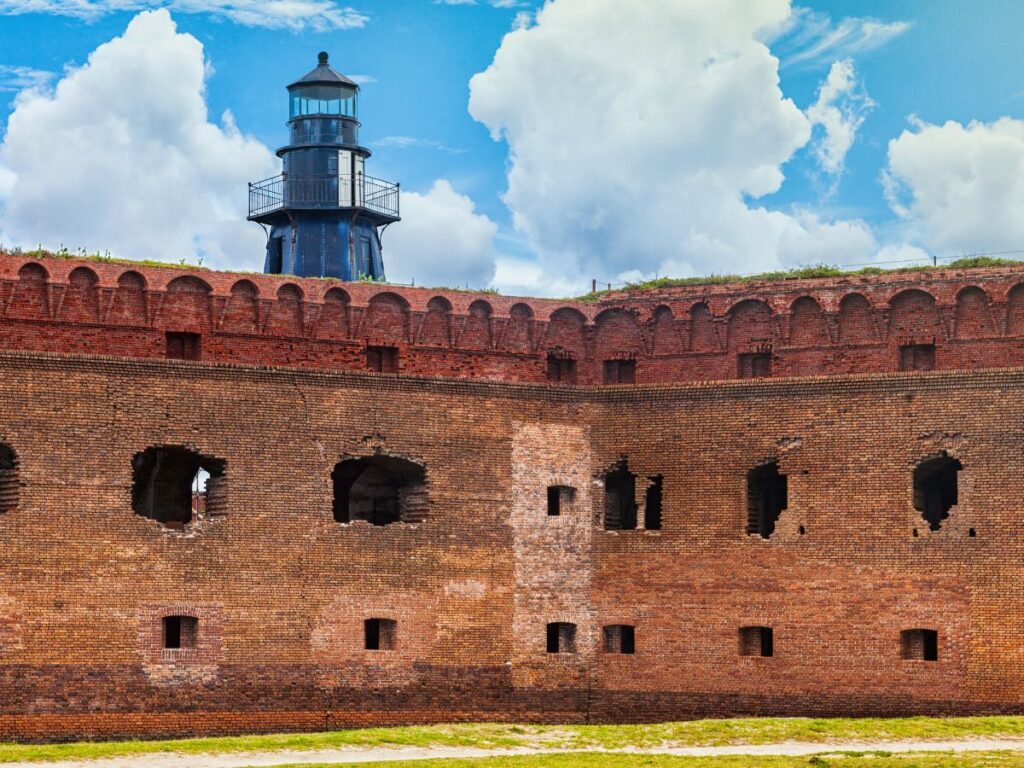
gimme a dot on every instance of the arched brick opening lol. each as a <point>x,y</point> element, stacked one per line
<point>807,323</point>
<point>856,320</point>
<point>129,304</point>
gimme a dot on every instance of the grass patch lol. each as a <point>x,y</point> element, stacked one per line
<point>843,760</point>
<point>104,258</point>
<point>802,273</point>
<point>685,734</point>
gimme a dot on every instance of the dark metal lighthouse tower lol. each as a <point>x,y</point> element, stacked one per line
<point>324,214</point>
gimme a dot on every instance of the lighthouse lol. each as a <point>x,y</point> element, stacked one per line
<point>323,214</point>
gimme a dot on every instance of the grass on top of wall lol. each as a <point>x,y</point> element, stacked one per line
<point>825,760</point>
<point>683,734</point>
<point>801,273</point>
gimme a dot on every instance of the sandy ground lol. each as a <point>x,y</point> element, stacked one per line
<point>366,755</point>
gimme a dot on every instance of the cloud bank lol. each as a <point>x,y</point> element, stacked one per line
<point>613,172</point>
<point>122,155</point>
<point>441,241</point>
<point>640,134</point>
<point>294,15</point>
<point>959,188</point>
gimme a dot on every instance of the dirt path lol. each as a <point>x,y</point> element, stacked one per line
<point>367,755</point>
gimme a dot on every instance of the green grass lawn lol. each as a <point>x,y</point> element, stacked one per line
<point>692,733</point>
<point>846,760</point>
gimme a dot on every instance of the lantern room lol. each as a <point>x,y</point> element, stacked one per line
<point>323,92</point>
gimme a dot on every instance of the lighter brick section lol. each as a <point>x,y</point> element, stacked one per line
<point>553,569</point>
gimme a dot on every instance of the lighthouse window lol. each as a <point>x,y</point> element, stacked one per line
<point>323,100</point>
<point>560,497</point>
<point>652,504</point>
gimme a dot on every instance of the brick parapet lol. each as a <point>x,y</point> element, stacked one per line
<point>829,326</point>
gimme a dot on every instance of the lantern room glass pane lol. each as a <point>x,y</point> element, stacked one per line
<point>332,100</point>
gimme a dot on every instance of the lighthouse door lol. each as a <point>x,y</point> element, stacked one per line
<point>344,178</point>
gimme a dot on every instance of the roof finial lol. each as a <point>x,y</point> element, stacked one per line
<point>322,56</point>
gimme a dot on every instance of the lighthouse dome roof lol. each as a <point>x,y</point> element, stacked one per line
<point>323,74</point>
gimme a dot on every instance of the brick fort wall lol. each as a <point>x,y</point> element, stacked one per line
<point>280,590</point>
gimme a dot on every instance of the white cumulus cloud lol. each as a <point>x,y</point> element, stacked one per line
<point>441,241</point>
<point>122,156</point>
<point>295,15</point>
<point>840,110</point>
<point>639,133</point>
<point>959,188</point>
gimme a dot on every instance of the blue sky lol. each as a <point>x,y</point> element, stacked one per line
<point>909,66</point>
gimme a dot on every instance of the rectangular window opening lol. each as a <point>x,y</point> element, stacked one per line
<point>652,504</point>
<point>756,365</point>
<point>620,371</point>
<point>936,488</point>
<point>560,497</point>
<point>380,634</point>
<point>620,499</point>
<point>920,644</point>
<point>561,370</point>
<point>183,346</point>
<point>382,359</point>
<point>561,637</point>
<point>917,357</point>
<point>767,497</point>
<point>757,641</point>
<point>620,638</point>
<point>180,632</point>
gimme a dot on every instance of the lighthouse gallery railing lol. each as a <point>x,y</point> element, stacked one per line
<point>363,192</point>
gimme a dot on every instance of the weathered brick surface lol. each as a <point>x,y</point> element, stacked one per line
<point>282,590</point>
<point>855,324</point>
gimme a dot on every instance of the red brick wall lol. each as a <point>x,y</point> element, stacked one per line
<point>854,324</point>
<point>281,590</point>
